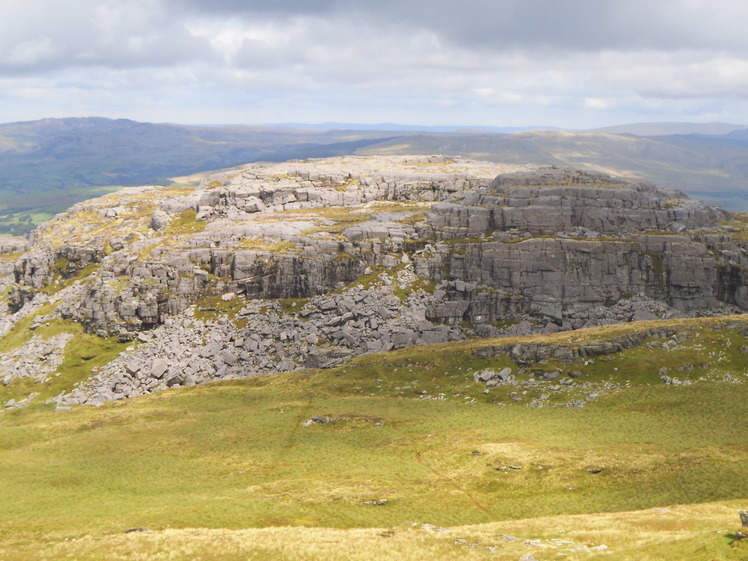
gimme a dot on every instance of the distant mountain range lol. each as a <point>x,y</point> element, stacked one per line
<point>660,129</point>
<point>49,164</point>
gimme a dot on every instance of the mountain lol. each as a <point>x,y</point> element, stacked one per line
<point>663,129</point>
<point>299,360</point>
<point>356,254</point>
<point>405,357</point>
<point>395,127</point>
<point>710,168</point>
<point>51,164</point>
<point>60,153</point>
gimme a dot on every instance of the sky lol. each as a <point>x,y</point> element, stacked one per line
<point>573,64</point>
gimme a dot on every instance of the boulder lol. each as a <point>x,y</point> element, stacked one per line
<point>159,368</point>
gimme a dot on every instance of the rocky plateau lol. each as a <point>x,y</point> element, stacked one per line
<point>304,264</point>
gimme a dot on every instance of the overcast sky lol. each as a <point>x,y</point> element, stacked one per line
<point>563,63</point>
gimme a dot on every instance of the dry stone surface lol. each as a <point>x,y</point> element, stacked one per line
<point>382,253</point>
<point>36,359</point>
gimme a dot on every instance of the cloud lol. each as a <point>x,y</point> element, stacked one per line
<point>596,103</point>
<point>527,24</point>
<point>522,58</point>
<point>38,36</point>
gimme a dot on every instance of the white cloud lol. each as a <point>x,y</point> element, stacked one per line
<point>561,60</point>
<point>597,103</point>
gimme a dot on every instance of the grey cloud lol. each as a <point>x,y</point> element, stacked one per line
<point>87,33</point>
<point>524,24</point>
<point>431,57</point>
<point>224,8</point>
<point>42,36</point>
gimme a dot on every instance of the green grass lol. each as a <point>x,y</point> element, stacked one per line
<point>184,223</point>
<point>226,457</point>
<point>210,308</point>
<point>232,456</point>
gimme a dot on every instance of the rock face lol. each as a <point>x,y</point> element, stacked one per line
<point>551,201</point>
<point>264,337</point>
<point>374,253</point>
<point>554,243</point>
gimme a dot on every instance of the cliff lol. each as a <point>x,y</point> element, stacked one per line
<point>307,263</point>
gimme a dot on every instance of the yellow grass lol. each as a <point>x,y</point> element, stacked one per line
<point>703,532</point>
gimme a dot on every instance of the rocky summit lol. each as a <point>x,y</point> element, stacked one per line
<point>283,266</point>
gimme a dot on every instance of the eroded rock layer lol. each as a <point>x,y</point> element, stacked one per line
<point>353,255</point>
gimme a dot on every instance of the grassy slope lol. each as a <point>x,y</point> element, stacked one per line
<point>233,456</point>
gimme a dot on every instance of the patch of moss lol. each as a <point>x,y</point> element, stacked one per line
<point>83,353</point>
<point>413,219</point>
<point>292,305</point>
<point>10,257</point>
<point>211,308</point>
<point>184,223</point>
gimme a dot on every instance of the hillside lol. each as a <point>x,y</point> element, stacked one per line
<point>666,129</point>
<point>392,357</point>
<point>51,164</point>
<point>711,168</point>
<point>405,455</point>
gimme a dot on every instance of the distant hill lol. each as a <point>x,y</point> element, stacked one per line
<point>62,153</point>
<point>659,129</point>
<point>50,164</point>
<point>395,127</point>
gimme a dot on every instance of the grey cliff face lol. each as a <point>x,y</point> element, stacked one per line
<point>555,242</point>
<point>379,253</point>
<point>551,201</point>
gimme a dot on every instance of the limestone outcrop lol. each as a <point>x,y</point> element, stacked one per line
<point>556,242</point>
<point>374,253</point>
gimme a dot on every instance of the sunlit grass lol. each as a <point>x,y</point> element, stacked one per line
<point>235,460</point>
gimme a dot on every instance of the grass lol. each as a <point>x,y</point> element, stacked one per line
<point>21,332</point>
<point>10,257</point>
<point>228,471</point>
<point>63,276</point>
<point>210,308</point>
<point>682,532</point>
<point>183,224</point>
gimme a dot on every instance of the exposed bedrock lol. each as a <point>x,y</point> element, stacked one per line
<point>553,277</point>
<point>549,246</point>
<point>552,200</point>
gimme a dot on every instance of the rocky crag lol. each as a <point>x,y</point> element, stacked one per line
<point>305,264</point>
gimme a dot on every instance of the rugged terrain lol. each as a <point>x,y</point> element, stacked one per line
<point>305,264</point>
<point>408,357</point>
<point>49,165</point>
